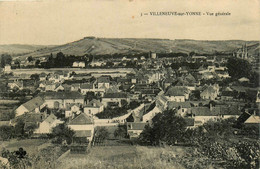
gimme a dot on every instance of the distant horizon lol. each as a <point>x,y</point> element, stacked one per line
<point>127,38</point>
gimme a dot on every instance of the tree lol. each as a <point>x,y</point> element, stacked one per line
<point>35,77</point>
<point>101,133</point>
<point>133,104</point>
<point>19,128</point>
<point>60,59</point>
<point>6,132</point>
<point>238,68</point>
<point>121,132</point>
<point>5,59</point>
<point>37,62</point>
<point>30,58</point>
<point>62,133</point>
<point>166,127</point>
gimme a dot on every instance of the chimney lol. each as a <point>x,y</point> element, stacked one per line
<point>210,106</point>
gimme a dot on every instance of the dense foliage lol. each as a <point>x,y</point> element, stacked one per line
<point>121,132</point>
<point>166,127</point>
<point>62,133</point>
<point>215,143</point>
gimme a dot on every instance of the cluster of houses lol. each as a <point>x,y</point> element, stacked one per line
<point>79,97</point>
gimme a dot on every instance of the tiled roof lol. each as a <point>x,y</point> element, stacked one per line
<point>208,90</point>
<point>135,125</point>
<point>218,110</point>
<point>103,79</point>
<point>86,86</point>
<point>94,102</point>
<point>81,119</point>
<point>50,119</point>
<point>62,95</point>
<point>34,103</point>
<point>176,91</point>
<point>172,104</point>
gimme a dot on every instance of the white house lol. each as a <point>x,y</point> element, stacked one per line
<point>177,94</point>
<point>7,69</point>
<point>103,82</point>
<point>83,125</point>
<point>93,107</point>
<point>62,99</point>
<point>78,64</point>
<point>134,129</point>
<point>34,105</point>
<point>72,108</point>
<point>48,124</point>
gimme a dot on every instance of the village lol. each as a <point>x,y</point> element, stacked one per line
<point>102,100</point>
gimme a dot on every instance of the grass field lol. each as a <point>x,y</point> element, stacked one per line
<point>123,157</point>
<point>29,145</point>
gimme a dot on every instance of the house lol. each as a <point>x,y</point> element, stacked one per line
<point>182,108</point>
<point>78,64</point>
<point>48,85</point>
<point>48,124</point>
<point>147,116</point>
<point>72,108</point>
<point>34,105</point>
<point>222,74</point>
<point>62,99</point>
<point>168,82</point>
<point>93,107</point>
<point>42,76</point>
<point>114,99</point>
<point>207,75</point>
<point>183,69</point>
<point>83,126</point>
<point>75,87</point>
<point>210,93</point>
<point>243,79</point>
<point>253,120</point>
<point>178,94</point>
<point>59,87</point>
<point>54,77</point>
<point>134,129</point>
<point>202,115</point>
<point>7,69</point>
<point>103,82</point>
<point>86,87</point>
<point>16,85</point>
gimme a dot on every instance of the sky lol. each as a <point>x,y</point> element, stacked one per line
<point>55,22</point>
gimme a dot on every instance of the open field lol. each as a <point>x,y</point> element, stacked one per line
<point>31,146</point>
<point>123,157</point>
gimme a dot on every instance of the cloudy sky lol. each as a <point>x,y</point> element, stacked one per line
<point>50,22</point>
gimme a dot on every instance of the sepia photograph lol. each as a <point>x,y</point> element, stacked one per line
<point>129,84</point>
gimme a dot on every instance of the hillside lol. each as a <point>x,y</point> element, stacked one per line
<point>16,49</point>
<point>98,46</point>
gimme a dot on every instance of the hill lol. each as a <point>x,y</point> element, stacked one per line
<point>16,49</point>
<point>99,46</point>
